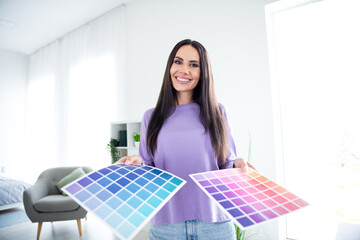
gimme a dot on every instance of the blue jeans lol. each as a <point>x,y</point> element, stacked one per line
<point>193,230</point>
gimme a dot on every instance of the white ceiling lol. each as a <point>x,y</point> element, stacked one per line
<point>39,22</point>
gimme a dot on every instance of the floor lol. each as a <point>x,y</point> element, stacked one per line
<point>92,229</point>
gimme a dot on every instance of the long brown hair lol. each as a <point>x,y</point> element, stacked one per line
<point>211,115</point>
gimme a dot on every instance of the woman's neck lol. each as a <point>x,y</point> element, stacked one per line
<point>184,98</point>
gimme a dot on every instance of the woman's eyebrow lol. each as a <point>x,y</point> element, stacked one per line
<point>196,61</point>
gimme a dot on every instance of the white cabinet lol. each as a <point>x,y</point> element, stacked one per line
<point>124,132</point>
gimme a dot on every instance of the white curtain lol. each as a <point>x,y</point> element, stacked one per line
<point>315,66</point>
<point>75,89</point>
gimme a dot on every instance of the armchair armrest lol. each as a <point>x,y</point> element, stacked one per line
<point>31,195</point>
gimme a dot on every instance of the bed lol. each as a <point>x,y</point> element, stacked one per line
<point>11,192</point>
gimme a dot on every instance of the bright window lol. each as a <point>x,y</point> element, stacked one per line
<point>40,142</point>
<point>314,60</point>
<point>91,106</point>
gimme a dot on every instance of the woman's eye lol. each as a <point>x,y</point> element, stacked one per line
<point>177,62</point>
<point>194,65</point>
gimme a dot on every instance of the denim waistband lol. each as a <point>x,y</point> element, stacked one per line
<point>193,230</point>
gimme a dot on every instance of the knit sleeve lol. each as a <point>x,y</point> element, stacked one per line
<point>144,154</point>
<point>231,149</point>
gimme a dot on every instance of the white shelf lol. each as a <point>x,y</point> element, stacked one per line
<point>130,127</point>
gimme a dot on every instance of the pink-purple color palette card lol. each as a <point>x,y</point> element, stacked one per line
<point>249,197</point>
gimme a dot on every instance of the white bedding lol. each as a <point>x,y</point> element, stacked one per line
<point>11,191</point>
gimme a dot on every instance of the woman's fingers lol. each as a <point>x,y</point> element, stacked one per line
<point>130,160</point>
<point>241,163</point>
<point>134,159</point>
<point>121,160</point>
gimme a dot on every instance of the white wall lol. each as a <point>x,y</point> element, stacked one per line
<point>13,80</point>
<point>234,33</point>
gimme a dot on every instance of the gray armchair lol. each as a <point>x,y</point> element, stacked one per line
<point>43,202</point>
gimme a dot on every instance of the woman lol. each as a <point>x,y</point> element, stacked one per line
<point>187,132</point>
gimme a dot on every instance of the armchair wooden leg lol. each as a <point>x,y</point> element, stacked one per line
<point>39,230</point>
<point>79,226</point>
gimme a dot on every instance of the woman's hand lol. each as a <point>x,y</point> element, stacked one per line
<point>130,160</point>
<point>241,163</point>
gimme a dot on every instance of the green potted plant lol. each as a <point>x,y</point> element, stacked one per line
<point>111,147</point>
<point>136,139</point>
<point>240,234</point>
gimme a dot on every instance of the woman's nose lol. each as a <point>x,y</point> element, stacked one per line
<point>185,69</point>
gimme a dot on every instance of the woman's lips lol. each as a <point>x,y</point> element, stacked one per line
<point>182,80</point>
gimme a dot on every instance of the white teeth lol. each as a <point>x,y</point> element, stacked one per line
<point>183,79</point>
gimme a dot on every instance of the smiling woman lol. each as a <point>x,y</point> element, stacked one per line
<point>188,132</point>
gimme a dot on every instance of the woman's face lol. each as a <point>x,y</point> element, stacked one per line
<point>185,69</point>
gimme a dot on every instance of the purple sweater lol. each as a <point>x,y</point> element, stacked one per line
<point>184,148</point>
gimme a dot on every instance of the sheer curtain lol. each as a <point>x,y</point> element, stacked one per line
<point>316,91</point>
<point>76,88</point>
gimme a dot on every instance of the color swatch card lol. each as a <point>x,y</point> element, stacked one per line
<point>124,197</point>
<point>249,198</point>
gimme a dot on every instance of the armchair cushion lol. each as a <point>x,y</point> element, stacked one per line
<point>56,203</point>
<point>77,173</point>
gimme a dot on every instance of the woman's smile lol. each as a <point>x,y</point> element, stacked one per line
<point>182,80</point>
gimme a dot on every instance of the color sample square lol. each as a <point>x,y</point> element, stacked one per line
<point>151,187</point>
<point>149,176</point>
<point>114,202</point>
<point>103,211</point>
<point>85,181</point>
<point>114,188</point>
<point>114,220</point>
<point>219,196</point>
<point>146,210</point>
<point>124,197</point>
<point>249,198</point>
<point>94,188</point>
<point>143,194</point>
<point>95,176</point>
<point>74,188</point>
<point>93,203</point>
<point>104,182</point>
<point>170,187</point>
